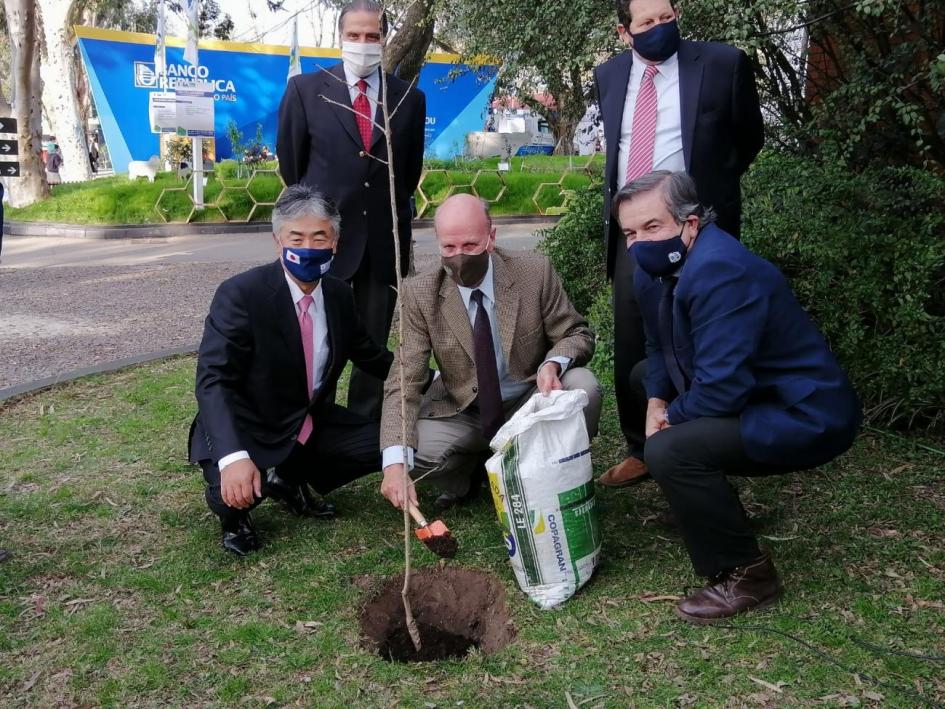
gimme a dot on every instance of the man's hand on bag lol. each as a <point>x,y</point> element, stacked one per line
<point>392,487</point>
<point>656,416</point>
<point>240,484</point>
<point>548,380</point>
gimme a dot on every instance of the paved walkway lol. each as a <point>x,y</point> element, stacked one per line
<point>67,304</point>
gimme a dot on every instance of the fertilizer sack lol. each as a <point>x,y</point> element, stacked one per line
<point>543,491</point>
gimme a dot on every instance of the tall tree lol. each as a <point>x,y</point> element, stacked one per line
<point>23,23</point>
<point>549,46</point>
<point>408,47</point>
<point>60,81</point>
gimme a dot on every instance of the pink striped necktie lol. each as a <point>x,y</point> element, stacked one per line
<point>307,327</point>
<point>643,135</point>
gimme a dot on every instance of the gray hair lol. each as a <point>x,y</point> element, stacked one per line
<point>303,201</point>
<point>363,6</point>
<point>679,193</point>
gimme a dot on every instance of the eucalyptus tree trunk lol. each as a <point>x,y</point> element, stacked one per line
<point>59,90</point>
<point>31,185</point>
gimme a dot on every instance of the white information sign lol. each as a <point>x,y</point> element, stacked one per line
<point>187,112</point>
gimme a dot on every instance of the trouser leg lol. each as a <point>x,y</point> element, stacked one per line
<point>583,379</point>
<point>374,301</point>
<point>337,453</point>
<point>629,349</point>
<point>689,461</point>
<point>448,450</point>
<point>228,515</point>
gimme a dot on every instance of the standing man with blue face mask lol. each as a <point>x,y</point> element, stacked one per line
<point>329,139</point>
<point>274,344</point>
<point>738,381</point>
<point>667,104</point>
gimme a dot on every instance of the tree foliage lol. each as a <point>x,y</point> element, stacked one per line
<point>549,46</point>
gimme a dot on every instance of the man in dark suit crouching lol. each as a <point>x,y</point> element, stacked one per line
<point>738,380</point>
<point>275,342</point>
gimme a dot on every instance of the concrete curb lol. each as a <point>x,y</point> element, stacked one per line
<point>11,394</point>
<point>163,231</point>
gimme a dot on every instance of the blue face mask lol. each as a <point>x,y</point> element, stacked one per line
<point>307,265</point>
<point>659,258</point>
<point>658,43</point>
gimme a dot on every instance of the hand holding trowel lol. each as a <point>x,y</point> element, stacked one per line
<point>435,535</point>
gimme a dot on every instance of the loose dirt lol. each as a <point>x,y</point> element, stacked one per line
<point>456,610</point>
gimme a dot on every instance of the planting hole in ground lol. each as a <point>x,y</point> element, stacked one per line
<point>456,610</point>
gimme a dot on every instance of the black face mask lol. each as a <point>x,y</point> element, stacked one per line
<point>660,258</point>
<point>467,270</point>
<point>658,43</point>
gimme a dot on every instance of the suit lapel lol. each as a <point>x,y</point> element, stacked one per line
<point>613,107</point>
<point>506,304</point>
<point>334,328</point>
<point>337,91</point>
<point>395,92</point>
<point>456,316</point>
<point>284,316</point>
<point>690,87</point>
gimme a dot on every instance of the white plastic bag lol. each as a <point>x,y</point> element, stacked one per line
<point>543,490</point>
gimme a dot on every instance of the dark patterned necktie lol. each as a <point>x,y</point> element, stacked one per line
<point>487,371</point>
<point>666,335</point>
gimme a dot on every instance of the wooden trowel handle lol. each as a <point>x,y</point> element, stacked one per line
<point>416,514</point>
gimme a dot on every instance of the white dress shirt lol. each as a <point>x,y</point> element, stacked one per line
<point>509,387</point>
<point>373,88</point>
<point>316,311</point>
<point>668,148</point>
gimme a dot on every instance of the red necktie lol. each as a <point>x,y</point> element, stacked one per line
<point>362,110</point>
<point>643,135</point>
<point>307,328</point>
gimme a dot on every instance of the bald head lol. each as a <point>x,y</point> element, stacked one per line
<point>462,225</point>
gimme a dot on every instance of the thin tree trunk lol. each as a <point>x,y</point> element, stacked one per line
<point>31,185</point>
<point>59,90</point>
<point>408,48</point>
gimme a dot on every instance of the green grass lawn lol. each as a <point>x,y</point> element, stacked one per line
<point>536,184</point>
<point>119,593</point>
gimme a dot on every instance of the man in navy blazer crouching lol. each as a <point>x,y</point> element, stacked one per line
<point>738,380</point>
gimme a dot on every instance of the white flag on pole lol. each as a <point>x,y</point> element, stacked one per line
<point>160,63</point>
<point>295,62</point>
<point>192,18</point>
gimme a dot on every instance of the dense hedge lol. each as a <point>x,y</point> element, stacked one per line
<point>865,254</point>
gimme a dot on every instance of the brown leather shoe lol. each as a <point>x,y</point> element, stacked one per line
<point>630,471</point>
<point>750,587</point>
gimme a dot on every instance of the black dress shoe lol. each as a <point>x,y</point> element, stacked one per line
<point>450,500</point>
<point>239,536</point>
<point>296,498</point>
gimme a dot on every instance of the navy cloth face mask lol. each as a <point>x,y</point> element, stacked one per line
<point>659,258</point>
<point>658,43</point>
<point>307,265</point>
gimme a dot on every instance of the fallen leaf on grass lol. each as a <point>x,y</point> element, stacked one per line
<point>307,626</point>
<point>653,598</point>
<point>571,704</point>
<point>773,687</point>
<point>32,680</point>
<point>875,696</point>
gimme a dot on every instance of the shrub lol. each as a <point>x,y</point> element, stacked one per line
<point>865,257</point>
<point>575,246</point>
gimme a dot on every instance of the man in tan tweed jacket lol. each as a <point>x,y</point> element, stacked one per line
<point>536,337</point>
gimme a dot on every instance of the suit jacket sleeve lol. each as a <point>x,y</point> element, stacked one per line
<point>293,142</point>
<point>366,353</point>
<point>414,351</point>
<point>749,127</point>
<point>565,328</point>
<point>727,319</point>
<point>658,384</point>
<point>418,139</point>
<point>222,361</point>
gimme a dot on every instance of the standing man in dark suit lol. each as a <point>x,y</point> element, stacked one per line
<point>275,342</point>
<point>667,104</point>
<point>329,139</point>
<point>739,381</point>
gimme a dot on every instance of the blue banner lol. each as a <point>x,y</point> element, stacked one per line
<point>248,81</point>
